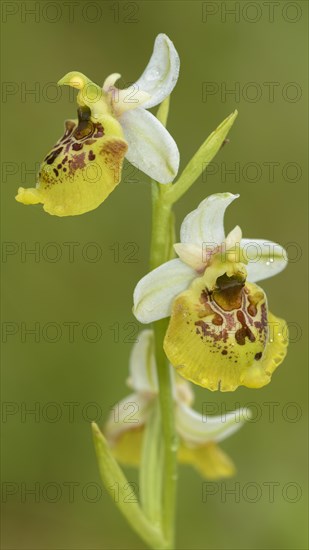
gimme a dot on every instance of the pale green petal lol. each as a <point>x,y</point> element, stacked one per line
<point>151,148</point>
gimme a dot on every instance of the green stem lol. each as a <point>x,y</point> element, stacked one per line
<point>151,470</point>
<point>169,436</point>
<point>160,251</point>
<point>161,226</point>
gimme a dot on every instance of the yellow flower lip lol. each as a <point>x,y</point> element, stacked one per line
<point>221,334</point>
<point>82,168</point>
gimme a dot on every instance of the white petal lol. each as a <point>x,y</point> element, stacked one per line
<point>233,238</point>
<point>151,148</point>
<point>123,100</point>
<point>109,82</point>
<point>205,224</point>
<point>142,366</point>
<point>128,99</point>
<point>191,254</point>
<point>131,412</point>
<point>161,73</point>
<point>196,429</point>
<point>154,294</point>
<point>265,258</point>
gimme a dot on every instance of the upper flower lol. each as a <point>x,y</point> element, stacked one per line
<point>198,434</point>
<point>85,165</point>
<point>221,334</point>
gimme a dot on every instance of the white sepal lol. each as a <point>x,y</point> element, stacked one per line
<point>142,366</point>
<point>205,224</point>
<point>151,148</point>
<point>161,73</point>
<point>130,413</point>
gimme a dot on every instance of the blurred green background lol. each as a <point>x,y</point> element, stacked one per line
<point>259,51</point>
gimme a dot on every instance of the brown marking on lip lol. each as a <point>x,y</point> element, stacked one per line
<point>204,297</point>
<point>207,310</point>
<point>51,157</point>
<point>113,153</point>
<point>69,126</point>
<point>77,162</point>
<point>115,148</point>
<point>77,146</point>
<point>217,319</point>
<point>253,301</point>
<point>258,356</point>
<point>203,326</point>
<point>99,130</point>
<point>56,172</point>
<point>244,331</point>
<point>91,155</point>
<point>252,309</point>
<point>207,329</point>
<point>83,130</point>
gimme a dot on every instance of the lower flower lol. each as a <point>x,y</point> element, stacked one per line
<point>198,435</point>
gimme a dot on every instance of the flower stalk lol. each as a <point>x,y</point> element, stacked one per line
<point>162,241</point>
<point>161,245</point>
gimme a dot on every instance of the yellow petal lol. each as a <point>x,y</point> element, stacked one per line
<point>82,168</point>
<point>128,447</point>
<point>221,338</point>
<point>209,460</point>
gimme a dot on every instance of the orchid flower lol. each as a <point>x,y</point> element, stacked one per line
<point>221,334</point>
<point>198,434</point>
<point>85,165</point>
